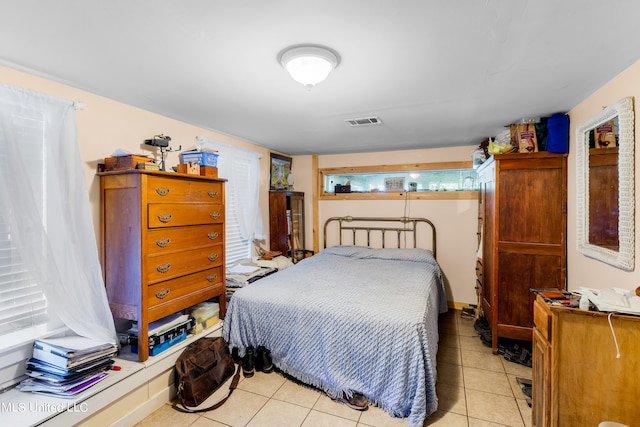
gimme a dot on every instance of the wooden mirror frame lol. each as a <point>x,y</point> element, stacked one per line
<point>624,258</point>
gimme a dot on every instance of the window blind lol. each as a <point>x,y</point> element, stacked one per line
<point>237,247</point>
<point>22,303</point>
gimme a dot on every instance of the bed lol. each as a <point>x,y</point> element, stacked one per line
<point>353,318</point>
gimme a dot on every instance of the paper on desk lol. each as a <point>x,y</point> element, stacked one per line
<point>613,299</point>
<point>243,269</point>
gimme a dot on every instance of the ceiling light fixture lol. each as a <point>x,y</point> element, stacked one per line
<point>309,64</point>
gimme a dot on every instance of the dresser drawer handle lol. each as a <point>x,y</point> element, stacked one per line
<point>165,217</point>
<point>163,243</point>
<point>163,191</point>
<point>163,268</point>
<point>214,215</point>
<point>213,257</point>
<point>213,194</point>
<point>162,294</point>
<point>212,277</point>
<point>213,236</point>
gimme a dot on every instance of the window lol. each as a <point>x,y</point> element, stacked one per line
<point>50,275</point>
<point>23,304</point>
<point>426,180</point>
<point>237,247</point>
<point>243,219</point>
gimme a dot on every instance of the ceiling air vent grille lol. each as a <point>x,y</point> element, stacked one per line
<point>364,121</point>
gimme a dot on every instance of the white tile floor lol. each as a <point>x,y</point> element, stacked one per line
<point>475,388</point>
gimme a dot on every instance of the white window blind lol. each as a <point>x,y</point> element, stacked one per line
<point>22,302</point>
<point>237,247</point>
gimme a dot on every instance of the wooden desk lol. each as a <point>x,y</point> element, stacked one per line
<point>577,378</point>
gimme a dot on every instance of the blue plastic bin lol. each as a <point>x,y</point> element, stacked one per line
<point>558,133</point>
<point>202,158</point>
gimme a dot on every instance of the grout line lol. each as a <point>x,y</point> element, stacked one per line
<point>464,387</point>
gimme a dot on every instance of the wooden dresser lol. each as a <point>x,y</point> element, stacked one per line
<point>523,214</point>
<point>578,380</point>
<point>163,244</point>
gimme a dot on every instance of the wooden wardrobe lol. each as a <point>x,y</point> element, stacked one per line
<point>523,217</point>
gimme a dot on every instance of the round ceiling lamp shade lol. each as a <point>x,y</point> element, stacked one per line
<point>309,64</point>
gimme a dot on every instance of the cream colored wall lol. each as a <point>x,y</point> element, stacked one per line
<point>106,125</point>
<point>456,221</point>
<point>584,271</point>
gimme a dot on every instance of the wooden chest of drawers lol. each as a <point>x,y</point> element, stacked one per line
<point>163,244</point>
<point>585,367</point>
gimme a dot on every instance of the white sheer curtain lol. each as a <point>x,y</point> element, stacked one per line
<point>45,202</point>
<point>242,169</point>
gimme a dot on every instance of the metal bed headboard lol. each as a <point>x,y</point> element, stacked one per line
<point>409,225</point>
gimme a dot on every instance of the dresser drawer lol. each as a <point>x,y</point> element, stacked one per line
<point>169,190</point>
<point>178,214</point>
<point>167,240</point>
<point>542,319</point>
<point>173,295</point>
<point>169,266</point>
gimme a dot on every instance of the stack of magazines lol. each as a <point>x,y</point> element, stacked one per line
<point>240,275</point>
<point>66,366</point>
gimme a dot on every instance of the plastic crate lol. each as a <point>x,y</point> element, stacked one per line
<point>157,349</point>
<point>202,158</point>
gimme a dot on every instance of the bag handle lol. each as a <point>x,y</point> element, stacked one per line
<point>232,386</point>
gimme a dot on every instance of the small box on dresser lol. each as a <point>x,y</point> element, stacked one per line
<point>163,244</point>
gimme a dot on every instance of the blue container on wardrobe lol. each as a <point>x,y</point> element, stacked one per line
<point>558,133</point>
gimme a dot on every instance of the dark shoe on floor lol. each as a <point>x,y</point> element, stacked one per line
<point>356,401</point>
<point>521,356</point>
<point>487,338</point>
<point>248,363</point>
<point>481,324</point>
<point>526,385</point>
<point>263,360</point>
<point>234,355</point>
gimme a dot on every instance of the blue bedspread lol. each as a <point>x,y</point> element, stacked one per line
<point>350,319</point>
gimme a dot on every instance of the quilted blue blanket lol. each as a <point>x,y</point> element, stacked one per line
<point>350,319</point>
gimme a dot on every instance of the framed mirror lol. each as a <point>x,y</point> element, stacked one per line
<point>605,147</point>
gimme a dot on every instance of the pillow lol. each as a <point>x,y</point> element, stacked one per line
<point>348,250</point>
<point>403,254</point>
<point>400,254</point>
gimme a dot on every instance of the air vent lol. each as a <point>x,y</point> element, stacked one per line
<point>364,121</point>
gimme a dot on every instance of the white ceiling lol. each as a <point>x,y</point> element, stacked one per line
<point>437,73</point>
